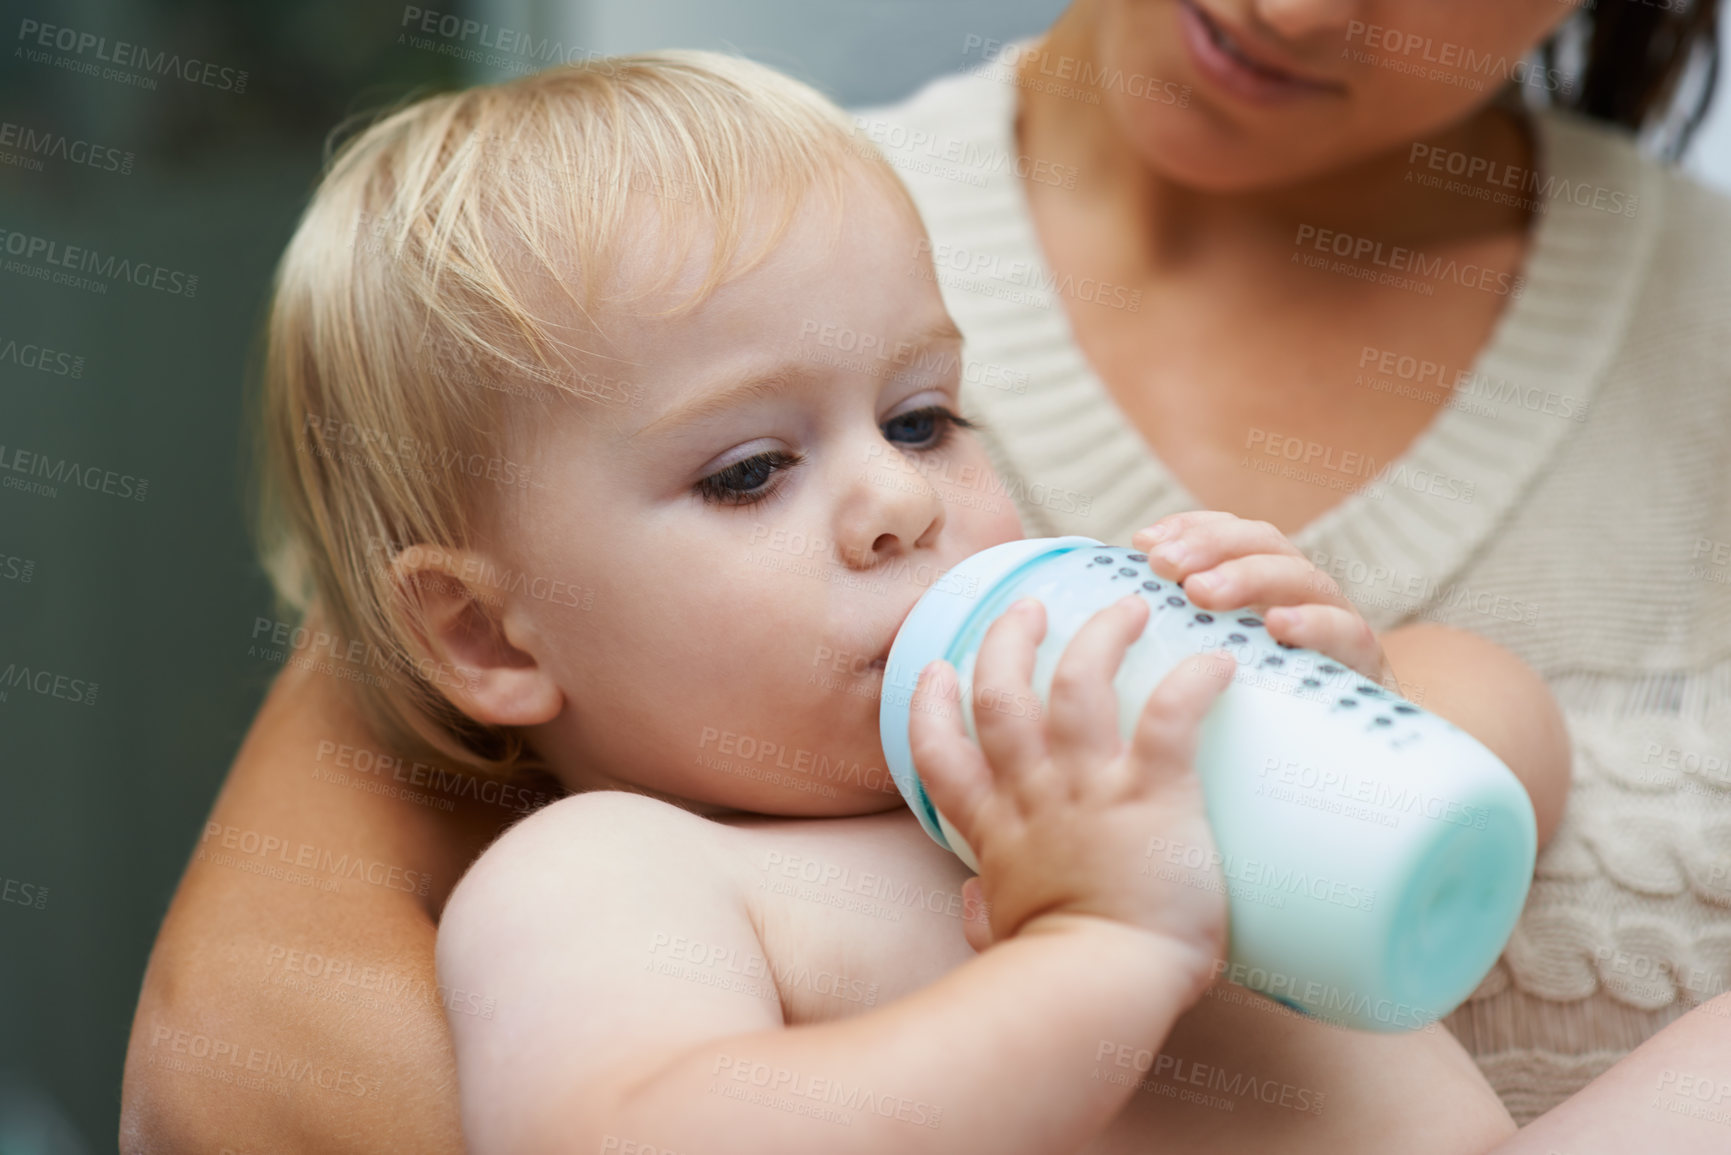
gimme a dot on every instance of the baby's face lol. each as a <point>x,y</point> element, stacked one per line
<point>755,527</point>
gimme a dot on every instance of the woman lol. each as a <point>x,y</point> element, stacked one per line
<point>1224,255</point>
<point>1243,251</point>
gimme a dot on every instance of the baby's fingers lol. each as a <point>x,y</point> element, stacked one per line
<point>1084,708</point>
<point>956,776</point>
<point>1340,633</point>
<point>1166,732</point>
<point>1007,715</point>
<point>1263,579</point>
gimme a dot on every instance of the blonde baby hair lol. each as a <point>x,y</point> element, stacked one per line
<point>427,300</point>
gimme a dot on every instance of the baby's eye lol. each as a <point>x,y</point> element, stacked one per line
<point>924,429</point>
<point>753,479</point>
<point>748,481</point>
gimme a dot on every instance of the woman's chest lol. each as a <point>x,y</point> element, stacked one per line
<point>1275,392</point>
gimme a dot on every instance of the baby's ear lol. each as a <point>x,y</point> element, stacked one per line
<point>466,629</point>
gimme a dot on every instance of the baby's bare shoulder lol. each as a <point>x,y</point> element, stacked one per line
<point>615,820</point>
<point>558,924</point>
<point>604,837</point>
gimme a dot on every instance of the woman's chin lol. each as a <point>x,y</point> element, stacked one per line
<point>1198,149</point>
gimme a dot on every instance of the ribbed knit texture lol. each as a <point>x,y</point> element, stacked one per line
<point>1596,437</point>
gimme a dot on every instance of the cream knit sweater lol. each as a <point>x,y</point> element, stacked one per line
<point>1583,521</point>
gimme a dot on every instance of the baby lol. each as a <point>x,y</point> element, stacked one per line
<point>618,405</point>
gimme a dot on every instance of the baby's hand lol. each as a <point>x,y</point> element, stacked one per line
<point>1059,811</point>
<point>1225,562</point>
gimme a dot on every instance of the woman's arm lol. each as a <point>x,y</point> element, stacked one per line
<point>1670,1094</point>
<point>1673,1092</point>
<point>1494,696</point>
<point>290,999</point>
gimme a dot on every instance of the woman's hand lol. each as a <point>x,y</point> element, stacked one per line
<point>1225,562</point>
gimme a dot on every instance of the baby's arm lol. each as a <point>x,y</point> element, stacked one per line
<point>601,1044</point>
<point>596,1048</point>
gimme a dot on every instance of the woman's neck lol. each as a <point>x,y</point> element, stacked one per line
<point>1167,223</point>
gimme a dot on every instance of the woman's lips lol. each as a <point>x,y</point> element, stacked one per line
<point>1244,72</point>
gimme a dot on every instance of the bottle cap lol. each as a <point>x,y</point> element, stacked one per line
<point>977,588</point>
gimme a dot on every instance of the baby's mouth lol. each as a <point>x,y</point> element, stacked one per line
<point>877,666</point>
<point>882,660</point>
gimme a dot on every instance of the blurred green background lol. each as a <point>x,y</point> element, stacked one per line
<point>152,601</point>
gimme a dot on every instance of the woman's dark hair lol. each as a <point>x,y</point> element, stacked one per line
<point>1634,55</point>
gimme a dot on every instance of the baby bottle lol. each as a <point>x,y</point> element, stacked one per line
<point>1375,856</point>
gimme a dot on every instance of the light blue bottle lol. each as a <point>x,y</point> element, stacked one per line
<point>1376,856</point>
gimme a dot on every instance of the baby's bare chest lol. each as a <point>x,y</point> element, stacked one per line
<point>853,913</point>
